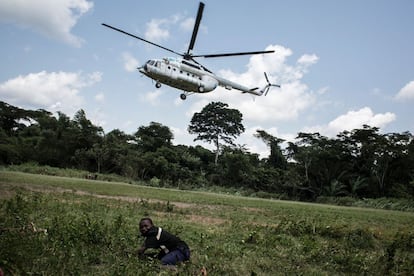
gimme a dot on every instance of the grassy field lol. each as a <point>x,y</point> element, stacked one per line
<point>57,225</point>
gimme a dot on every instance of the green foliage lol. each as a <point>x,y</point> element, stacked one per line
<point>154,136</point>
<point>65,233</point>
<point>399,255</point>
<point>276,158</point>
<point>34,168</point>
<point>215,123</point>
<point>42,235</point>
<point>399,204</point>
<point>362,163</point>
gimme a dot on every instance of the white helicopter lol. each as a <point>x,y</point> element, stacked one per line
<point>187,74</point>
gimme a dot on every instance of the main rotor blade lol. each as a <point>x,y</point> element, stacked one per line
<point>196,26</point>
<point>235,54</point>
<point>201,65</point>
<point>267,79</point>
<point>140,38</point>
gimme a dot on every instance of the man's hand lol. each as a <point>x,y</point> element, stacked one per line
<point>141,250</point>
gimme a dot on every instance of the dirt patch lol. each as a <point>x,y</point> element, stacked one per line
<point>7,191</point>
<point>253,209</point>
<point>205,220</point>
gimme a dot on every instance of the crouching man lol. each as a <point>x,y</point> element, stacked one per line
<point>173,249</point>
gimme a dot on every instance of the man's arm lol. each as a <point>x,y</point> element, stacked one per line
<point>141,250</point>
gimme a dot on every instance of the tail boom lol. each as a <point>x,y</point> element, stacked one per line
<point>254,91</point>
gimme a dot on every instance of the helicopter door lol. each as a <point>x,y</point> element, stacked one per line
<point>163,68</point>
<point>158,66</point>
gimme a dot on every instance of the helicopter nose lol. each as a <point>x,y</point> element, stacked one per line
<point>143,68</point>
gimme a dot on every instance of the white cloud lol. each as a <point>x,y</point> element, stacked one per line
<point>55,91</point>
<point>90,79</point>
<point>353,120</point>
<point>181,136</point>
<point>323,90</point>
<point>158,29</point>
<point>356,119</point>
<point>153,97</point>
<point>281,104</point>
<point>254,144</point>
<point>97,117</point>
<point>187,24</point>
<point>406,93</point>
<point>307,60</point>
<point>52,18</point>
<point>100,97</point>
<point>130,63</point>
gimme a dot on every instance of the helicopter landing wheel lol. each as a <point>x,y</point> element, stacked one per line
<point>158,85</point>
<point>183,96</point>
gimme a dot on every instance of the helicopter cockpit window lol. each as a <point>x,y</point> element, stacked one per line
<point>157,64</point>
<point>150,62</point>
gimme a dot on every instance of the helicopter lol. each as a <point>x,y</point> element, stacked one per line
<point>189,75</point>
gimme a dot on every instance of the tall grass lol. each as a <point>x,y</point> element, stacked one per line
<point>400,204</point>
<point>58,230</point>
<point>34,168</point>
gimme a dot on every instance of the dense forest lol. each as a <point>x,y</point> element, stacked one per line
<point>362,163</point>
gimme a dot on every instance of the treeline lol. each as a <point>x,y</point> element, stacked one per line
<point>358,163</point>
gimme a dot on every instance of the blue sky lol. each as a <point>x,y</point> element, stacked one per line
<point>341,64</point>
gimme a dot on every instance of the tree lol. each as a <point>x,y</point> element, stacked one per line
<point>115,147</point>
<point>9,150</point>
<point>276,158</point>
<point>154,136</point>
<point>238,168</point>
<point>87,133</point>
<point>11,118</point>
<point>319,160</point>
<point>216,122</point>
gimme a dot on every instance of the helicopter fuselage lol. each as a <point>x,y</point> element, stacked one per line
<point>180,74</point>
<point>187,76</point>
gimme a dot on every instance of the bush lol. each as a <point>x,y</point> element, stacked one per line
<point>341,201</point>
<point>397,204</point>
<point>71,239</point>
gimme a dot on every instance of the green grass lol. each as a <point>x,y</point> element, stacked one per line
<point>228,235</point>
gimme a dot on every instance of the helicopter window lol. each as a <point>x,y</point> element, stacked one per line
<point>150,62</point>
<point>157,64</point>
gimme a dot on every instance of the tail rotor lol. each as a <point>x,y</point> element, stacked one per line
<point>267,87</point>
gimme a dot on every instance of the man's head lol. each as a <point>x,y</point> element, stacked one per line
<point>145,225</point>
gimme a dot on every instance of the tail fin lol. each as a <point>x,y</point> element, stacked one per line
<point>255,91</point>
<point>266,89</point>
